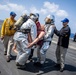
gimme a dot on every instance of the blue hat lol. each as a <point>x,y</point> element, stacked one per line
<point>37,14</point>
<point>12,13</point>
<point>65,20</point>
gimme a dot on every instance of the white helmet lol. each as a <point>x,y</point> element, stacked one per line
<point>34,16</point>
<point>51,19</point>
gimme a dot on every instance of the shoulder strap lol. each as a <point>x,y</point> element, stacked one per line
<point>48,27</point>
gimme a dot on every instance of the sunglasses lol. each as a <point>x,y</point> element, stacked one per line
<point>13,15</point>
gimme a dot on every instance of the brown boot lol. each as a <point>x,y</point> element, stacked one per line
<point>8,59</point>
<point>62,69</point>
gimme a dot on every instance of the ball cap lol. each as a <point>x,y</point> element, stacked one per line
<point>65,20</point>
<point>12,13</point>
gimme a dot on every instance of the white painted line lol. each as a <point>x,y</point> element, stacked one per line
<point>72,47</point>
<point>54,42</point>
<point>69,45</point>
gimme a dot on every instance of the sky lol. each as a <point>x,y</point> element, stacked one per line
<point>59,8</point>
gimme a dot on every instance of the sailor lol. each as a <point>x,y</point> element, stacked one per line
<point>7,33</point>
<point>27,33</point>
<point>49,32</point>
<point>63,43</point>
<point>38,25</point>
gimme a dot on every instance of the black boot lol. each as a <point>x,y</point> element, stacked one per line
<point>5,52</point>
<point>57,65</point>
<point>38,64</point>
<point>31,55</point>
<point>19,66</point>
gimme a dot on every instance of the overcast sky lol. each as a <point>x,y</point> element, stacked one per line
<point>60,8</point>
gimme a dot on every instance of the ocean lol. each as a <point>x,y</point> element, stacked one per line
<point>72,35</point>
